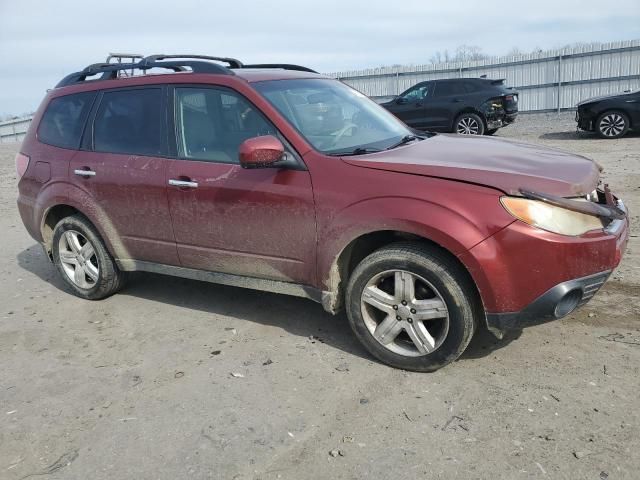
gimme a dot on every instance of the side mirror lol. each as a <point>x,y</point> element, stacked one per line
<point>260,152</point>
<point>401,101</point>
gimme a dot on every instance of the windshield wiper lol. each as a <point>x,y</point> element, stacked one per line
<point>355,151</point>
<point>406,139</point>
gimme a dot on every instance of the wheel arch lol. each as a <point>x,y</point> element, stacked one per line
<point>55,212</point>
<point>363,245</point>
<point>615,109</point>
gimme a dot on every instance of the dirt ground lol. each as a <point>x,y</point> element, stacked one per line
<point>140,386</point>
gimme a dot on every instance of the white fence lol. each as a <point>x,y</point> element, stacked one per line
<point>551,80</point>
<point>14,130</point>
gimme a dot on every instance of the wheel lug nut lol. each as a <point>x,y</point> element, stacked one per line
<point>404,302</point>
<point>395,307</point>
<point>398,317</point>
<point>413,310</point>
<point>410,320</point>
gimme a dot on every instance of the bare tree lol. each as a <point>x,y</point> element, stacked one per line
<point>464,53</point>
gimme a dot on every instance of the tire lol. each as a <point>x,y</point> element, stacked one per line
<point>612,124</point>
<point>82,259</point>
<point>469,124</point>
<point>439,281</point>
<point>491,131</point>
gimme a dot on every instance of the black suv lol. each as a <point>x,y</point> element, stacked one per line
<point>469,106</point>
<point>610,116</point>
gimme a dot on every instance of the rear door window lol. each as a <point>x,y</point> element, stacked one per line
<point>63,120</point>
<point>129,122</point>
<point>444,89</point>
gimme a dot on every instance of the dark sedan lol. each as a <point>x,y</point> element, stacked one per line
<point>610,116</point>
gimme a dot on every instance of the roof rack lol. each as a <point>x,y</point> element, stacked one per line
<point>121,57</point>
<point>176,63</point>
<point>285,66</point>
<point>233,63</point>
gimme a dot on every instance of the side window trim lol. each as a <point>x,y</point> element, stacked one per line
<point>295,161</point>
<point>89,135</point>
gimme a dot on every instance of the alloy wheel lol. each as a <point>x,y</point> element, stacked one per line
<point>78,259</point>
<point>405,313</point>
<point>468,126</point>
<point>612,125</point>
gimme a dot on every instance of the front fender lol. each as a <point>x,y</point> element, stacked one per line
<point>453,229</point>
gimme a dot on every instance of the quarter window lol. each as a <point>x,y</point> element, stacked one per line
<point>63,121</point>
<point>212,123</point>
<point>129,121</point>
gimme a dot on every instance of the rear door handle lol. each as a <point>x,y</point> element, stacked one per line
<point>183,183</point>
<point>85,173</point>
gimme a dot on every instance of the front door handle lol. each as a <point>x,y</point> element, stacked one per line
<point>183,183</point>
<point>85,173</point>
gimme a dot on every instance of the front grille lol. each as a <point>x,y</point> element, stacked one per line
<point>591,286</point>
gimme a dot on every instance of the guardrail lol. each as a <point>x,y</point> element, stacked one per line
<point>14,130</point>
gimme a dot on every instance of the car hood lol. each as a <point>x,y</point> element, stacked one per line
<point>603,97</point>
<point>502,164</point>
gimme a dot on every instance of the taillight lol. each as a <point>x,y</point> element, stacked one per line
<point>22,163</point>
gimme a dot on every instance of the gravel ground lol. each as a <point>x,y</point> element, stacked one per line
<point>140,385</point>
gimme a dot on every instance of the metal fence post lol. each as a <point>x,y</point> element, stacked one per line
<point>559,80</point>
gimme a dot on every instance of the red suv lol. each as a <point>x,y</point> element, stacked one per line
<point>277,178</point>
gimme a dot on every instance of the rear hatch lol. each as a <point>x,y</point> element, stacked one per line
<point>507,97</point>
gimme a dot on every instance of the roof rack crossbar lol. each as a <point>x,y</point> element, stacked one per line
<point>285,66</point>
<point>110,70</point>
<point>232,62</point>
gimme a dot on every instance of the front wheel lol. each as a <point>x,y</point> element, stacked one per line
<point>412,306</point>
<point>612,124</point>
<point>469,124</point>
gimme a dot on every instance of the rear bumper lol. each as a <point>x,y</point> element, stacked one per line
<point>555,303</point>
<point>500,120</point>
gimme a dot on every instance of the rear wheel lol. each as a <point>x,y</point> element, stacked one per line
<point>412,306</point>
<point>612,124</point>
<point>469,124</point>
<point>83,260</point>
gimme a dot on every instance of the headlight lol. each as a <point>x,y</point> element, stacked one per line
<point>550,217</point>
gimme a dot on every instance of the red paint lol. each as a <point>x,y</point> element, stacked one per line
<point>260,151</point>
<point>292,225</point>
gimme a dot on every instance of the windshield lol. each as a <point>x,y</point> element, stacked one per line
<point>333,117</point>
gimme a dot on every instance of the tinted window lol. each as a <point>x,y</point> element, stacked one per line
<point>129,121</point>
<point>471,87</point>
<point>450,88</point>
<point>63,120</point>
<point>212,123</point>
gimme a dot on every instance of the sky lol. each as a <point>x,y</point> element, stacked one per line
<point>43,40</point>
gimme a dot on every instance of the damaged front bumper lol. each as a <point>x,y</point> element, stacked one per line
<point>551,276</point>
